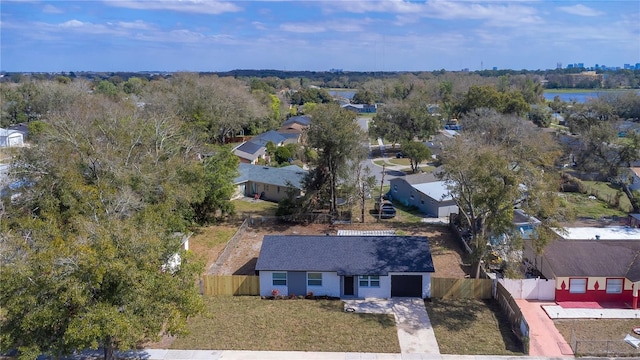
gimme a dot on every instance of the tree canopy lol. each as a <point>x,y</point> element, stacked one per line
<point>91,254</point>
<point>403,121</point>
<point>339,142</point>
<point>499,163</point>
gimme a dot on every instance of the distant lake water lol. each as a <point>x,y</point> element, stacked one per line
<point>580,97</point>
<point>346,93</point>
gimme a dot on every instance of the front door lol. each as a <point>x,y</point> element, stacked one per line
<point>348,286</point>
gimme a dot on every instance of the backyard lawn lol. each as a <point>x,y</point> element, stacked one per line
<point>255,207</point>
<point>585,207</point>
<point>250,323</point>
<point>604,190</point>
<point>472,327</point>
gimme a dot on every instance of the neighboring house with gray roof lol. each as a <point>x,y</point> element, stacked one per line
<point>251,151</point>
<point>361,108</point>
<point>424,192</point>
<point>592,264</point>
<point>346,266</point>
<point>302,120</point>
<point>270,183</point>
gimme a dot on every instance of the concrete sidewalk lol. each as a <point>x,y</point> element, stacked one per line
<point>156,354</point>
<point>415,333</point>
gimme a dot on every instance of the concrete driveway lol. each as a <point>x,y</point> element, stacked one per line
<point>415,333</point>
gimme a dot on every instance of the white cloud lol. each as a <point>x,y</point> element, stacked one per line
<point>500,14</point>
<point>580,10</point>
<point>303,28</point>
<point>259,25</point>
<point>138,25</point>
<point>50,9</point>
<point>189,6</point>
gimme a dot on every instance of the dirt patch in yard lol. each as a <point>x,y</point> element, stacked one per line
<point>447,257</point>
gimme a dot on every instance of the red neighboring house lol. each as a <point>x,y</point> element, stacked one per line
<point>599,270</point>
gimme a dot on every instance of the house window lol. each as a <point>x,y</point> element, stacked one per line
<point>278,189</point>
<point>577,286</point>
<point>395,188</point>
<point>614,286</point>
<point>412,196</point>
<point>370,281</point>
<point>279,279</point>
<point>266,187</point>
<point>314,279</point>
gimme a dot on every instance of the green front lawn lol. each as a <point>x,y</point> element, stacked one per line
<point>472,327</point>
<point>250,323</point>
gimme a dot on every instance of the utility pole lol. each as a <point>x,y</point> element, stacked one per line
<point>380,198</point>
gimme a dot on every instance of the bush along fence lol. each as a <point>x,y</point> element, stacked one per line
<point>519,325</point>
<point>602,348</point>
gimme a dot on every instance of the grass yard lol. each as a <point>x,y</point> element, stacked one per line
<point>208,242</point>
<point>255,207</point>
<point>590,208</point>
<point>472,327</point>
<point>250,323</point>
<point>591,331</point>
<point>604,190</point>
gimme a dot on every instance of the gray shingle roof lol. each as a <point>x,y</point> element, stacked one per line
<point>610,258</point>
<point>302,120</point>
<point>273,136</point>
<point>249,147</point>
<point>347,255</point>
<point>284,176</point>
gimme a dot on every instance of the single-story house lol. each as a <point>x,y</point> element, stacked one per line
<point>361,108</point>
<point>274,182</point>
<point>11,138</point>
<point>297,122</point>
<point>431,197</point>
<point>634,220</point>
<point>593,264</point>
<point>293,128</point>
<point>346,266</point>
<point>256,148</point>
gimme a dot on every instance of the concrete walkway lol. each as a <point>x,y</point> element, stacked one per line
<point>544,338</point>
<point>558,312</point>
<point>415,333</point>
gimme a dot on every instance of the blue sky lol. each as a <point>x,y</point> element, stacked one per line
<point>391,35</point>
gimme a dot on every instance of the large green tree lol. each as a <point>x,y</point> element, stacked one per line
<point>90,255</point>
<point>217,107</point>
<point>501,162</point>
<point>417,152</point>
<point>340,145</point>
<point>403,121</point>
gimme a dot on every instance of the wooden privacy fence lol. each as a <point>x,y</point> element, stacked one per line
<point>230,285</point>
<point>448,288</point>
<point>519,324</point>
